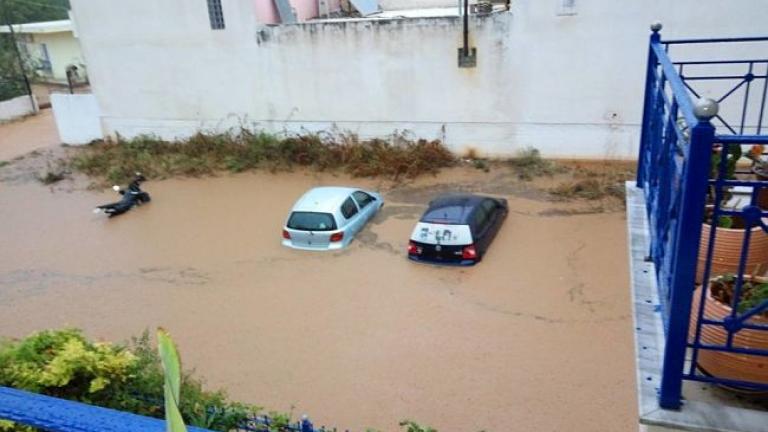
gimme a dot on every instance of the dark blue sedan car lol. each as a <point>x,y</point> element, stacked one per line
<point>457,229</point>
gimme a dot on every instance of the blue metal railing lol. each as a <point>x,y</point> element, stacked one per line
<point>60,415</point>
<point>690,172</point>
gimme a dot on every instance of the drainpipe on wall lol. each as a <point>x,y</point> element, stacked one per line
<point>467,56</point>
<point>466,28</point>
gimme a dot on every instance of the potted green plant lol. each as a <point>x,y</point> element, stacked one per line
<point>717,306</point>
<point>730,230</point>
<point>760,170</point>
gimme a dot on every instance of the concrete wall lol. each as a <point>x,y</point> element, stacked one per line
<point>17,107</point>
<point>78,118</point>
<point>571,86</point>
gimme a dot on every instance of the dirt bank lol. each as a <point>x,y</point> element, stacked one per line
<point>538,336</point>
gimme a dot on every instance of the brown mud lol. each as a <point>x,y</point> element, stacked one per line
<point>537,337</point>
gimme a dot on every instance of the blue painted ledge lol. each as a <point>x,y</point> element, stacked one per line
<point>58,415</point>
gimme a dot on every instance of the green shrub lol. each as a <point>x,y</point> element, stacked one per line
<point>64,364</point>
<point>411,426</point>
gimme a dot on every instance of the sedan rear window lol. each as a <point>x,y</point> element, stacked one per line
<point>311,221</point>
<point>444,215</point>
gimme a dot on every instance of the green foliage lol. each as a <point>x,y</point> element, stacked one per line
<point>11,79</point>
<point>753,295</point>
<point>116,160</point>
<point>411,426</point>
<point>725,221</point>
<point>18,12</point>
<point>169,358</point>
<point>754,292</point>
<point>732,154</point>
<point>63,363</point>
<point>23,11</point>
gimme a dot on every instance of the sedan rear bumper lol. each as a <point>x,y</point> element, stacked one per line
<point>329,247</point>
<point>442,262</point>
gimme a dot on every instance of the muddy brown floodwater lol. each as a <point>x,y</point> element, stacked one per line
<point>538,337</point>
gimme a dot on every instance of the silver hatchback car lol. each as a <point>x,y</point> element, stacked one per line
<point>327,218</point>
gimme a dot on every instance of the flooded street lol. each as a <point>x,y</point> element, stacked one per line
<point>25,135</point>
<point>537,337</point>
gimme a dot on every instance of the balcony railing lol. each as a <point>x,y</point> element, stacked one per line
<point>699,164</point>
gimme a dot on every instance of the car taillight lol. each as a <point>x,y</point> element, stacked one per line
<point>286,235</point>
<point>469,252</point>
<point>413,249</point>
<point>337,237</point>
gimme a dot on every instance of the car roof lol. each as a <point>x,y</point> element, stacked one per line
<point>452,208</point>
<point>323,199</point>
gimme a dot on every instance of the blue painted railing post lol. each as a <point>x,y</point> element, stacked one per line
<point>694,190</point>
<point>306,425</point>
<point>650,86</point>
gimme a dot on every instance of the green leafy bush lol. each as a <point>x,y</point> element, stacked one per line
<point>65,364</point>
<point>412,426</point>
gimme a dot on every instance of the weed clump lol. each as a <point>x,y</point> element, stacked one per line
<point>54,173</point>
<point>528,164</point>
<point>203,154</point>
<point>590,184</point>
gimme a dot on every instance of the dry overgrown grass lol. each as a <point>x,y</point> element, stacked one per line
<point>594,183</point>
<point>117,160</point>
<point>528,165</point>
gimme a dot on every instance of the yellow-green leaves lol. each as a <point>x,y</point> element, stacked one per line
<point>54,359</point>
<point>169,358</point>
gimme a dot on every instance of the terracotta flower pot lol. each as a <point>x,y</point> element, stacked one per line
<point>742,367</point>
<point>727,251</point>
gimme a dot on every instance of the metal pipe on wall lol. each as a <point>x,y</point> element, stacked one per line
<point>466,27</point>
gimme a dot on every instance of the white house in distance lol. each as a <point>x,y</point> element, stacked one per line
<point>51,47</point>
<point>564,76</point>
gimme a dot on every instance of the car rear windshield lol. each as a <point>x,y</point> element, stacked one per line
<point>311,221</point>
<point>445,215</point>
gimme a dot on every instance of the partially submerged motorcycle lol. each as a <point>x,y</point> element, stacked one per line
<point>131,197</point>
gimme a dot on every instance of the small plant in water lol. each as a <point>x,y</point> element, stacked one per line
<point>412,426</point>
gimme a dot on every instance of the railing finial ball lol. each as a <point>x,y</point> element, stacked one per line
<point>656,26</point>
<point>705,108</point>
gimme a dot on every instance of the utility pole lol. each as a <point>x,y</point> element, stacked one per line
<point>7,16</point>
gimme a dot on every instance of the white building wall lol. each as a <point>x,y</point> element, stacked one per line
<point>17,107</point>
<point>77,118</point>
<point>571,86</point>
